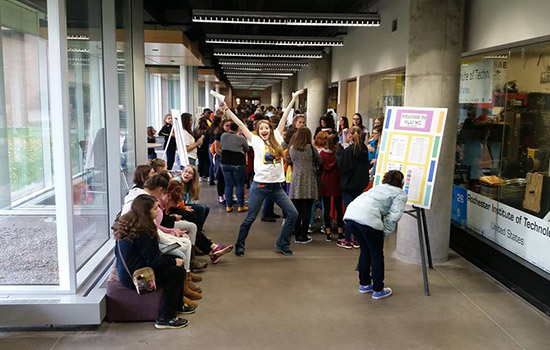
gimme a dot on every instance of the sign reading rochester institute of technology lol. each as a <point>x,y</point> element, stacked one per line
<point>411,143</point>
<point>525,235</point>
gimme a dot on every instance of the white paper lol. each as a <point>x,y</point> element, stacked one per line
<point>394,166</point>
<point>217,96</point>
<point>413,182</point>
<point>398,147</point>
<point>418,153</point>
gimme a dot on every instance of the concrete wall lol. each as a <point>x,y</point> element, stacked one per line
<point>497,23</point>
<point>263,95</point>
<point>372,50</point>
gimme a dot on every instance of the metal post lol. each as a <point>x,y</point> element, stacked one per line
<point>427,238</point>
<point>422,253</point>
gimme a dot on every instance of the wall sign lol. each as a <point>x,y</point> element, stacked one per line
<point>525,235</point>
<point>476,82</point>
<point>411,143</point>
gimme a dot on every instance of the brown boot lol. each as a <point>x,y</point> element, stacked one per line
<point>188,292</point>
<point>189,302</point>
<point>194,287</point>
<point>198,265</point>
<point>195,277</point>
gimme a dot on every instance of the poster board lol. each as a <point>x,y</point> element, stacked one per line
<point>411,143</point>
<point>178,135</point>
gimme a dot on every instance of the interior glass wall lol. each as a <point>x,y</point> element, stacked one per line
<point>502,183</point>
<point>125,93</point>
<point>87,128</point>
<point>27,217</point>
<point>162,94</point>
<point>386,89</point>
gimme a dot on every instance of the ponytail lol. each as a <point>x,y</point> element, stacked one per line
<point>356,133</point>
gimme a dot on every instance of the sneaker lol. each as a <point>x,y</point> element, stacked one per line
<point>286,252</point>
<point>310,229</point>
<point>365,289</point>
<point>222,249</point>
<point>342,243</point>
<point>386,292</point>
<point>276,216</point>
<point>171,324</point>
<point>303,240</point>
<point>242,209</point>
<point>187,310</point>
<point>329,237</point>
<point>355,244</point>
<point>323,229</point>
<point>239,252</point>
<point>269,219</point>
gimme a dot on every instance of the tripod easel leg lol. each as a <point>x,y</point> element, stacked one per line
<point>427,238</point>
<point>422,252</point>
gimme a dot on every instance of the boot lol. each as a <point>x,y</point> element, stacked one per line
<point>189,302</point>
<point>188,292</point>
<point>195,264</point>
<point>194,287</point>
<point>195,277</point>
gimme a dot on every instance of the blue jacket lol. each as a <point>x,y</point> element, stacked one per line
<point>381,207</point>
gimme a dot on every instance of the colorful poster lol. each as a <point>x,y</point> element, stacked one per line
<point>411,143</point>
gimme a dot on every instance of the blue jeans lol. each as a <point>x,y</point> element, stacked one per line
<point>274,191</point>
<point>234,177</point>
<point>371,242</point>
<point>348,197</point>
<point>201,213</point>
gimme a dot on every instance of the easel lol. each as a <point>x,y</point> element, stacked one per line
<point>420,215</point>
<point>177,128</point>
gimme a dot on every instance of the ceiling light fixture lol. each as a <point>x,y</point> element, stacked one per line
<point>267,53</point>
<point>80,37</point>
<point>262,69</point>
<point>290,18</point>
<point>261,63</point>
<point>272,40</point>
<point>259,74</point>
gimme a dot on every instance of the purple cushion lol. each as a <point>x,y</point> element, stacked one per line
<point>125,304</point>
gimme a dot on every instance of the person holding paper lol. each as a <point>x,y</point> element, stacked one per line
<point>170,148</point>
<point>269,174</point>
<point>371,217</point>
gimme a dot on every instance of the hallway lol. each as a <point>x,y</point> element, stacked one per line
<point>310,301</point>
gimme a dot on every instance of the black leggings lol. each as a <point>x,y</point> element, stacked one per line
<point>303,206</point>
<point>220,185</point>
<point>339,211</point>
<point>171,279</point>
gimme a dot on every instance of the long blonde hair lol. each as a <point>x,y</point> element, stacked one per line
<point>274,147</point>
<point>193,186</point>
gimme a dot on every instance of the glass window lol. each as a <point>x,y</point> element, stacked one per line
<point>27,215</point>
<point>387,89</point>
<point>503,150</point>
<point>87,128</point>
<point>125,93</point>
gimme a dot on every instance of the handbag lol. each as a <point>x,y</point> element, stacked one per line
<point>144,278</point>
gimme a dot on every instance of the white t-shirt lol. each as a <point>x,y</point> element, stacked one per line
<point>266,168</point>
<point>189,140</point>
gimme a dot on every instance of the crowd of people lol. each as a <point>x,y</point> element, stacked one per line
<point>279,161</point>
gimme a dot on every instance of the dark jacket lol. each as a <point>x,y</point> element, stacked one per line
<point>143,252</point>
<point>166,131</point>
<point>354,168</point>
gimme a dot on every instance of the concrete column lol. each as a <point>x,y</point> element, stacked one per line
<point>287,88</point>
<point>433,72</point>
<point>317,79</point>
<point>138,59</point>
<point>207,96</point>
<point>184,90</point>
<point>276,95</point>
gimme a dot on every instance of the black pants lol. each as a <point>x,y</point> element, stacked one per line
<point>171,278</point>
<point>339,211</point>
<point>372,254</point>
<point>303,206</point>
<point>220,185</point>
<point>170,156</point>
<point>204,160</point>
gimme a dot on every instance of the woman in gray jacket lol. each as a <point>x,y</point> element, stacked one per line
<point>371,217</point>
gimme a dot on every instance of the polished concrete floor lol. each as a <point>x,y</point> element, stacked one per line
<point>310,301</point>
